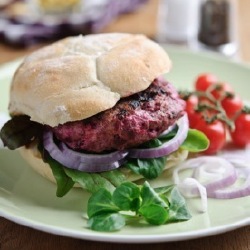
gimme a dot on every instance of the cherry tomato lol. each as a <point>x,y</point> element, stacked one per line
<point>232,105</point>
<point>224,87</point>
<point>194,119</point>
<point>241,135</point>
<point>191,103</point>
<point>204,81</point>
<point>193,116</point>
<point>216,133</point>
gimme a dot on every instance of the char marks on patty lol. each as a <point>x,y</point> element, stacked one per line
<point>131,122</point>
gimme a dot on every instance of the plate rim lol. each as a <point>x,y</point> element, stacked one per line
<point>124,238</point>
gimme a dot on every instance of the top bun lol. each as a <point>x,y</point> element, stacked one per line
<point>78,77</point>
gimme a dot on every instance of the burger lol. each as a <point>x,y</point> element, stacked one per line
<point>95,110</point>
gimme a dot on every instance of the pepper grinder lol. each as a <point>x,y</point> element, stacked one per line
<point>217,29</point>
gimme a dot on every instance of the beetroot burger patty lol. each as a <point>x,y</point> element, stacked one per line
<point>133,120</point>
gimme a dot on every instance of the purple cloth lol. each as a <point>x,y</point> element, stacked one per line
<point>17,32</point>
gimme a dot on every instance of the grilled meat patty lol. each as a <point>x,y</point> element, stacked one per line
<point>131,122</point>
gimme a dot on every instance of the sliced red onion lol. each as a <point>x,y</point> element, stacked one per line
<point>220,171</point>
<point>166,148</point>
<point>238,157</point>
<point>211,171</point>
<point>218,176</point>
<point>188,185</point>
<point>81,161</point>
<point>235,191</point>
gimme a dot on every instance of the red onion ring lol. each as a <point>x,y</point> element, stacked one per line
<point>220,187</point>
<point>217,169</point>
<point>235,192</point>
<point>166,148</point>
<point>208,167</point>
<point>187,187</point>
<point>81,161</point>
<point>238,157</point>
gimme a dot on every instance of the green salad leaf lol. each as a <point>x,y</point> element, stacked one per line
<point>127,196</point>
<point>63,181</point>
<point>107,222</point>
<point>148,168</point>
<point>178,210</point>
<point>196,141</point>
<point>111,211</point>
<point>89,181</point>
<point>101,203</point>
<point>155,214</point>
<point>150,196</point>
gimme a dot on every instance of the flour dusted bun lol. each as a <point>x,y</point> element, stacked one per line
<point>32,155</point>
<point>78,77</point>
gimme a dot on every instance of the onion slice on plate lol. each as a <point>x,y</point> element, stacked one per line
<point>235,191</point>
<point>186,188</point>
<point>215,173</point>
<point>218,175</point>
<point>211,171</point>
<point>82,161</point>
<point>166,148</point>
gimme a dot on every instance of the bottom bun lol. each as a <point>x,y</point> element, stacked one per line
<point>33,156</point>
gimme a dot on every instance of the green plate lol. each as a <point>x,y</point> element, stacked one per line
<point>29,199</point>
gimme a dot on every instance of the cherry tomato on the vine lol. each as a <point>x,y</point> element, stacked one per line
<point>193,116</point>
<point>204,81</point>
<point>241,135</point>
<point>220,93</point>
<point>194,119</point>
<point>191,103</point>
<point>215,132</point>
<point>232,105</point>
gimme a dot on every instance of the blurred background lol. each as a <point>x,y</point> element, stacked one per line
<point>219,26</point>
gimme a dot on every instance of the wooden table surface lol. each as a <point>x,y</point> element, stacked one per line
<point>13,236</point>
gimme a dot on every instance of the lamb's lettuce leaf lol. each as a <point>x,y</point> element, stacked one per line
<point>196,141</point>
<point>148,168</point>
<point>109,211</point>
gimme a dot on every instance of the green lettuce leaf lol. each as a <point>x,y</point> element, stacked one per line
<point>94,181</point>
<point>63,181</point>
<point>135,203</point>
<point>148,168</point>
<point>196,141</point>
<point>178,210</point>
